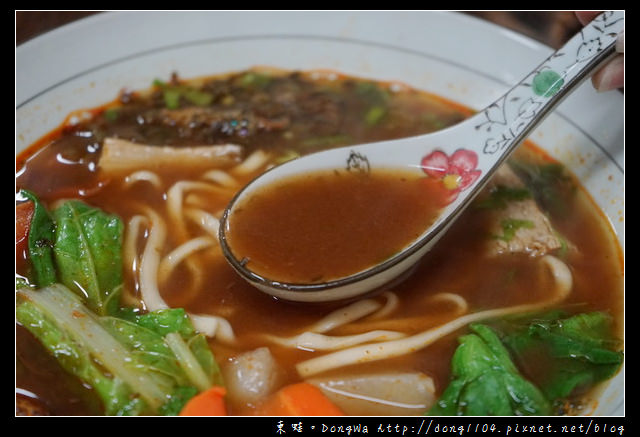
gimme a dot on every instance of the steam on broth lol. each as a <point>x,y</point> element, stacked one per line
<point>533,256</point>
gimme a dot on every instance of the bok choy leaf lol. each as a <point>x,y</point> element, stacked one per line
<point>87,249</point>
<point>486,382</point>
<point>131,363</point>
<point>149,363</point>
<point>40,242</point>
<point>579,351</point>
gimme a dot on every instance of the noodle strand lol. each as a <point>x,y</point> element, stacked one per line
<point>312,341</point>
<point>394,348</point>
<point>143,176</point>
<point>177,255</point>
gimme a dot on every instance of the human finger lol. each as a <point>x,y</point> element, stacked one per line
<point>611,76</point>
<point>585,17</point>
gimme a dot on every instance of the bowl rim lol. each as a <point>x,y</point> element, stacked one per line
<point>65,31</point>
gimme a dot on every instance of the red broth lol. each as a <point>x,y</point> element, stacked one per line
<point>291,114</point>
<point>330,224</point>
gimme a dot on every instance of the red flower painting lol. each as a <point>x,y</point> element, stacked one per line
<point>456,172</point>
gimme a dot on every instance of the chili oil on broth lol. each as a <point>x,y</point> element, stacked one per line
<point>328,224</point>
<point>456,265</point>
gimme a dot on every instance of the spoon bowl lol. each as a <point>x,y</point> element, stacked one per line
<point>463,157</point>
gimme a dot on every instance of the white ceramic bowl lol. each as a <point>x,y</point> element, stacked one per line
<point>87,63</point>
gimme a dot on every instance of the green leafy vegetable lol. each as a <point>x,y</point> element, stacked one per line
<point>88,246</point>
<point>22,282</point>
<point>149,363</point>
<point>179,398</point>
<point>579,351</point>
<point>501,195</point>
<point>551,185</point>
<point>41,240</point>
<point>176,320</point>
<point>132,363</point>
<point>73,335</point>
<point>486,382</point>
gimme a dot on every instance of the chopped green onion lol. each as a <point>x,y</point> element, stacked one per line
<point>171,98</point>
<point>172,94</point>
<point>374,115</point>
<point>198,98</point>
<point>287,156</point>
<point>510,226</point>
<point>111,114</point>
<point>259,80</point>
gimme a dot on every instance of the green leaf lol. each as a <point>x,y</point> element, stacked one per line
<point>166,321</point>
<point>150,350</point>
<point>579,351</point>
<point>67,347</point>
<point>88,254</point>
<point>151,367</point>
<point>485,382</point>
<point>550,184</point>
<point>41,240</point>
<point>23,283</point>
<point>179,398</point>
<point>202,352</point>
<point>501,195</point>
<point>176,320</point>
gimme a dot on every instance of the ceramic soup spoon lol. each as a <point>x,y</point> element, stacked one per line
<point>463,156</point>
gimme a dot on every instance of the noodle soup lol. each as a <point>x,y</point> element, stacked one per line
<point>532,255</point>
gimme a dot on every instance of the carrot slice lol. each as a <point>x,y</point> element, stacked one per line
<point>300,399</point>
<point>208,403</point>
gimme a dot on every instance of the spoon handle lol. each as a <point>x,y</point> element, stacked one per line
<point>511,118</point>
<point>487,139</point>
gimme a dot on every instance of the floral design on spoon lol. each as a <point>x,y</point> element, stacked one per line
<point>457,172</point>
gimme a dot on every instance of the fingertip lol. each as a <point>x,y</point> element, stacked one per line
<point>585,17</point>
<point>611,76</point>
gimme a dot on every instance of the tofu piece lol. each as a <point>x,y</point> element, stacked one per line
<point>530,229</point>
